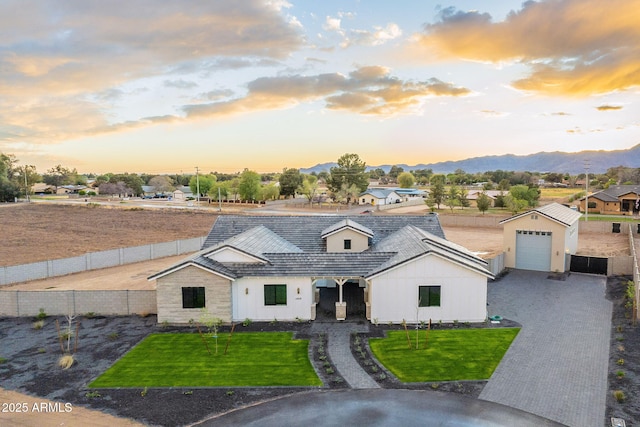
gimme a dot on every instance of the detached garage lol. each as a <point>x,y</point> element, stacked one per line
<point>541,239</point>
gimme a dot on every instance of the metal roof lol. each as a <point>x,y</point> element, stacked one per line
<point>553,211</point>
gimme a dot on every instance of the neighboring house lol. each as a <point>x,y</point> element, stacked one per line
<point>379,196</point>
<point>41,187</point>
<point>410,193</point>
<point>384,268</point>
<point>472,196</point>
<point>182,193</point>
<point>541,239</point>
<point>615,200</point>
<point>70,189</point>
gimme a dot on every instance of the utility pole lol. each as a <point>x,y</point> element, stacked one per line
<point>197,187</point>
<point>586,198</point>
<point>26,186</point>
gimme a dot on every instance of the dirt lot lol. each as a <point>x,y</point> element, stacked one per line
<point>42,231</point>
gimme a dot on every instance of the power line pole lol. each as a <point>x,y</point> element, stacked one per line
<point>197,187</point>
<point>586,198</point>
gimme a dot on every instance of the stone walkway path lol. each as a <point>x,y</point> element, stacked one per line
<point>339,349</point>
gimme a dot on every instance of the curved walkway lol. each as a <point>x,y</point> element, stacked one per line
<point>339,349</point>
<point>557,365</point>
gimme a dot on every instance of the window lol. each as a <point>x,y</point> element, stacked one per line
<point>347,243</point>
<point>192,297</point>
<point>429,296</point>
<point>275,294</point>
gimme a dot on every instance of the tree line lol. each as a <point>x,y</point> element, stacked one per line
<point>344,182</point>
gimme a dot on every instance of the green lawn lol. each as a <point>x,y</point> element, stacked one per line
<point>450,355</point>
<point>181,360</point>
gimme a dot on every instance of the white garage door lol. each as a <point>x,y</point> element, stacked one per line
<point>533,250</point>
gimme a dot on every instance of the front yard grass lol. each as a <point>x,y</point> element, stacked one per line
<point>181,360</point>
<point>449,355</point>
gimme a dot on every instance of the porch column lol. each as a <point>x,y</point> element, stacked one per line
<point>341,306</point>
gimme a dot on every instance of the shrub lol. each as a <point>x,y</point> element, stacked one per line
<point>92,394</point>
<point>230,393</point>
<point>329,371</point>
<point>41,314</point>
<point>620,361</point>
<point>144,391</point>
<point>90,315</point>
<point>38,324</point>
<point>42,350</point>
<point>620,374</point>
<point>619,396</point>
<point>2,360</point>
<point>382,376</point>
<point>113,336</point>
<point>246,322</point>
<point>66,361</point>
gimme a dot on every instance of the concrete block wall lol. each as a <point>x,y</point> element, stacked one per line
<point>29,303</point>
<point>96,260</point>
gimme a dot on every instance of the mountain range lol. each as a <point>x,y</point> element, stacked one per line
<point>573,163</point>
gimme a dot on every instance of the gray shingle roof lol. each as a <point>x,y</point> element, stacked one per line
<point>410,242</point>
<point>612,193</point>
<point>294,246</point>
<point>305,231</point>
<point>259,240</point>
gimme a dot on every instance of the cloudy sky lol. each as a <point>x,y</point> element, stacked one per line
<point>163,87</point>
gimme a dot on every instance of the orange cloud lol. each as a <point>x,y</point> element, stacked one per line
<point>573,47</point>
<point>367,90</point>
<point>609,107</point>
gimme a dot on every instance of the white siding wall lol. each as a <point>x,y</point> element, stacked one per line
<point>394,294</point>
<point>248,299</point>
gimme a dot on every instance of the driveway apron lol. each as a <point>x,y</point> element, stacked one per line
<point>557,365</point>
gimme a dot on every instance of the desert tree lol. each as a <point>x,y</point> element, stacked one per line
<point>161,184</point>
<point>249,185</point>
<point>483,202</point>
<point>290,179</point>
<point>452,197</point>
<point>350,171</point>
<point>406,180</point>
<point>309,187</point>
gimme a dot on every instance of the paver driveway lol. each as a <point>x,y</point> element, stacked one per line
<point>557,365</point>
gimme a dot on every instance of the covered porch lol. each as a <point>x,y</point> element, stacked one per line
<point>340,298</point>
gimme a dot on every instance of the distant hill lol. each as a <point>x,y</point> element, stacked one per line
<point>573,163</point>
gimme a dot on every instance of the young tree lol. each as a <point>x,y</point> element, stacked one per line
<point>350,171</point>
<point>483,202</point>
<point>406,180</point>
<point>452,197</point>
<point>290,180</point>
<point>462,198</point>
<point>309,187</point>
<point>437,189</point>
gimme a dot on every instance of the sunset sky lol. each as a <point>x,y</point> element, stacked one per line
<point>165,86</point>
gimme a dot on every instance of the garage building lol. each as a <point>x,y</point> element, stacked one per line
<point>541,239</point>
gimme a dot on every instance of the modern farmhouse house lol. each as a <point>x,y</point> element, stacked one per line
<point>384,268</point>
